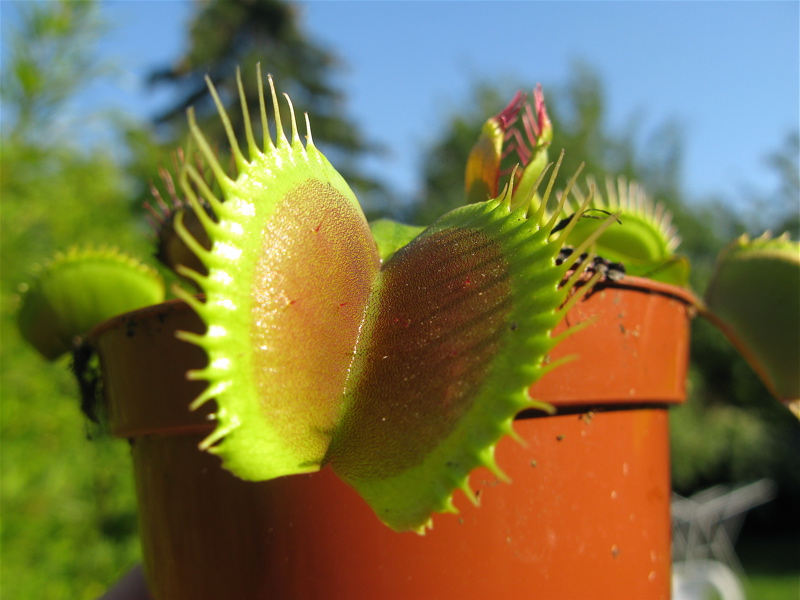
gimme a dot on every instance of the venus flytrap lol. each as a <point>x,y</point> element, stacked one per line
<point>355,351</point>
<point>75,290</point>
<point>71,293</point>
<point>163,215</point>
<point>645,241</point>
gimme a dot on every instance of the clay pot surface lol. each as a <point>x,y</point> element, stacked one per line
<point>587,514</point>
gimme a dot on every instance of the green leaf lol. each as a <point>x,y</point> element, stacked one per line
<point>390,236</point>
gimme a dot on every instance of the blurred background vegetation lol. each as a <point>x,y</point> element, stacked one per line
<point>68,511</point>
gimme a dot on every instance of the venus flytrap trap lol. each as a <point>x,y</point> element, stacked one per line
<point>397,355</point>
<point>289,271</point>
<point>753,297</point>
<point>163,216</point>
<point>75,290</point>
<point>517,138</point>
<point>452,340</point>
<point>70,294</point>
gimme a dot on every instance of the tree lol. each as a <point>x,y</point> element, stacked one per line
<point>49,58</point>
<point>779,209</point>
<point>444,161</point>
<point>225,34</point>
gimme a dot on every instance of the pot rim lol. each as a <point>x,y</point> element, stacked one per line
<point>598,387</point>
<point>631,282</point>
<point>139,313</point>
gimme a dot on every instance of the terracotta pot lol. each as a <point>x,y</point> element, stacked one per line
<point>587,514</point>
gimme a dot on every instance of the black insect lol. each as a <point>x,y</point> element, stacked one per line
<point>612,271</point>
<point>86,369</point>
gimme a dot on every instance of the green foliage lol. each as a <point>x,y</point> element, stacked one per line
<point>771,564</point>
<point>68,508</point>
<point>50,57</point>
<point>718,443</point>
<point>69,514</point>
<point>69,525</point>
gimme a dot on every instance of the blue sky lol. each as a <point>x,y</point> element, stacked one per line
<point>727,72</point>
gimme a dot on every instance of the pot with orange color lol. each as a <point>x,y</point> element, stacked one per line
<point>586,514</point>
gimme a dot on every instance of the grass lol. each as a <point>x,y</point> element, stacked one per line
<point>68,526</point>
<point>771,565</point>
